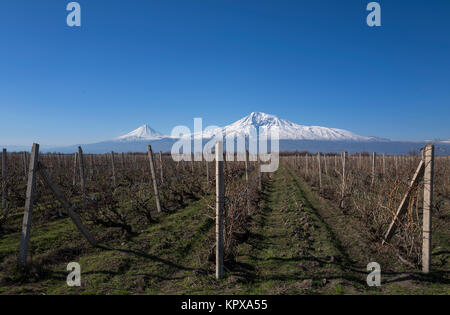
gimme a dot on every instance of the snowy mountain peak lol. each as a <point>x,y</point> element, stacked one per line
<point>259,119</point>
<point>265,123</point>
<point>144,132</point>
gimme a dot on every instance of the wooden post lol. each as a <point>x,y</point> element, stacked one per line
<point>4,166</point>
<point>306,159</point>
<point>258,169</point>
<point>384,164</point>
<point>192,163</point>
<point>219,209</point>
<point>161,167</point>
<point>404,203</point>
<point>28,214</point>
<point>207,171</point>
<point>123,160</point>
<point>246,181</point>
<point>113,169</point>
<point>75,158</point>
<point>344,162</point>
<point>25,161</point>
<point>82,178</point>
<point>320,170</point>
<point>246,167</point>
<point>76,220</point>
<point>427,207</point>
<point>155,184</point>
<point>92,165</point>
<point>374,161</point>
<point>326,164</point>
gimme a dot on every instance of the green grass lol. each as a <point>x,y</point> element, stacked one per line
<point>291,250</point>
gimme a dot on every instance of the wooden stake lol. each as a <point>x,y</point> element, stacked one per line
<point>374,161</point>
<point>344,162</point>
<point>320,170</point>
<point>155,184</point>
<point>28,214</point>
<point>4,174</point>
<point>25,161</point>
<point>404,204</point>
<point>76,220</point>
<point>82,178</point>
<point>113,169</point>
<point>219,209</point>
<point>75,158</point>
<point>207,171</point>
<point>427,207</point>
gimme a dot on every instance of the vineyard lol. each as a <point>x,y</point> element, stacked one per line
<point>148,225</point>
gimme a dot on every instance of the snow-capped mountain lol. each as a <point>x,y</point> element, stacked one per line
<point>265,123</point>
<point>142,133</point>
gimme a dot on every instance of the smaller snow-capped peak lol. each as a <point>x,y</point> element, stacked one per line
<point>144,132</point>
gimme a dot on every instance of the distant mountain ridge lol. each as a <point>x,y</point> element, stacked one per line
<point>293,137</point>
<point>266,123</point>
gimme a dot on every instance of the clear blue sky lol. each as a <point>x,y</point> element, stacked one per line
<point>166,62</point>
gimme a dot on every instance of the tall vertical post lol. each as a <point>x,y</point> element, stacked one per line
<point>246,167</point>
<point>326,164</point>
<point>219,209</point>
<point>113,166</point>
<point>155,184</point>
<point>306,159</point>
<point>374,161</point>
<point>4,169</point>
<point>384,164</point>
<point>207,171</point>
<point>91,157</point>
<point>122,158</point>
<point>258,169</point>
<point>344,174</point>
<point>427,207</point>
<point>82,178</point>
<point>75,158</point>
<point>246,181</point>
<point>25,161</point>
<point>28,213</point>
<point>320,170</point>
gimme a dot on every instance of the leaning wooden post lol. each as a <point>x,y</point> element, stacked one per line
<point>427,207</point>
<point>155,184</point>
<point>75,219</point>
<point>219,209</point>
<point>320,170</point>
<point>82,178</point>
<point>374,161</point>
<point>113,169</point>
<point>4,165</point>
<point>28,214</point>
